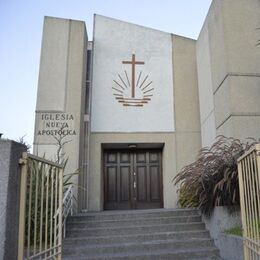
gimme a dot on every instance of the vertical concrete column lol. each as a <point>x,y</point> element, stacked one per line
<point>61,91</point>
<point>10,153</point>
<point>228,59</point>
<point>187,113</point>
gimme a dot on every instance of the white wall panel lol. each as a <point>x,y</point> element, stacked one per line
<point>115,41</point>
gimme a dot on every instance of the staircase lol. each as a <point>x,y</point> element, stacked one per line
<point>138,234</point>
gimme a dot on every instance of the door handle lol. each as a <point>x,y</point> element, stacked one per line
<point>134,184</point>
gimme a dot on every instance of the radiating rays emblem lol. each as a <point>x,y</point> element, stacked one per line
<point>131,92</point>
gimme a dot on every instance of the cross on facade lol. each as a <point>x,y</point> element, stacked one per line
<point>133,62</point>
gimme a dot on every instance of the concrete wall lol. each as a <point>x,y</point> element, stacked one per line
<point>229,70</point>
<point>10,153</point>
<point>222,219</point>
<point>187,113</point>
<point>114,42</point>
<point>206,99</point>
<point>231,247</point>
<point>61,90</point>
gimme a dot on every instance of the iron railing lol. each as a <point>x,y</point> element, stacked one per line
<point>41,208</point>
<point>249,186</point>
<point>67,207</point>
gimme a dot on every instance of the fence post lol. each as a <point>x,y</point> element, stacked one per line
<point>61,210</point>
<point>24,163</point>
<point>242,205</point>
<point>249,185</point>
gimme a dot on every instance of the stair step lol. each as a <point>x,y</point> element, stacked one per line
<point>74,241</point>
<point>131,214</point>
<point>209,253</point>
<point>121,230</point>
<point>146,246</point>
<point>138,235</point>
<point>84,223</point>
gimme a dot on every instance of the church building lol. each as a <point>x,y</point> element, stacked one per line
<point>134,105</point>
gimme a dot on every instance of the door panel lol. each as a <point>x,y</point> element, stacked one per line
<point>154,182</point>
<point>132,179</point>
<point>125,183</point>
<point>140,157</point>
<point>112,157</point>
<point>141,183</point>
<point>154,157</point>
<point>125,157</point>
<point>111,183</point>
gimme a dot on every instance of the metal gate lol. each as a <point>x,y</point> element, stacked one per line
<point>41,201</point>
<point>249,185</point>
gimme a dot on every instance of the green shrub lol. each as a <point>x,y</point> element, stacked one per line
<point>212,180</point>
<point>187,198</point>
<point>237,231</point>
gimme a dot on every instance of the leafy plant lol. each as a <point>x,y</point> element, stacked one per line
<point>22,141</point>
<point>42,198</point>
<point>237,231</point>
<point>42,202</point>
<point>187,198</point>
<point>60,142</point>
<point>212,180</point>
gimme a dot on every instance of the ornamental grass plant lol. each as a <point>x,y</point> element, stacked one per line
<point>212,180</point>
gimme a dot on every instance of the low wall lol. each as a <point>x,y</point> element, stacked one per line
<point>221,219</point>
<point>10,153</point>
<point>231,247</point>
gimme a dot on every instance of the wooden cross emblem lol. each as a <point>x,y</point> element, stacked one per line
<point>133,62</point>
<point>137,93</point>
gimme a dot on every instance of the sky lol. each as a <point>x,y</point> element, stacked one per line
<point>21,24</point>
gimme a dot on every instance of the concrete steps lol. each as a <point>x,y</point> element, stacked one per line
<point>80,223</point>
<point>141,234</point>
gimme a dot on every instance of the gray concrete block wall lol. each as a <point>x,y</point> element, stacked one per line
<point>205,86</point>
<point>222,219</point>
<point>228,61</point>
<point>10,153</point>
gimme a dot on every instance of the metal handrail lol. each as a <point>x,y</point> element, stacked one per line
<point>256,147</point>
<point>43,160</point>
<point>67,208</point>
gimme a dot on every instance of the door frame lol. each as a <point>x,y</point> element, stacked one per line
<point>133,148</point>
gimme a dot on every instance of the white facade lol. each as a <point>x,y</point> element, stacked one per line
<point>116,41</point>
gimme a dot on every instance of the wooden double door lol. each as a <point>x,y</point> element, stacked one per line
<point>132,179</point>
